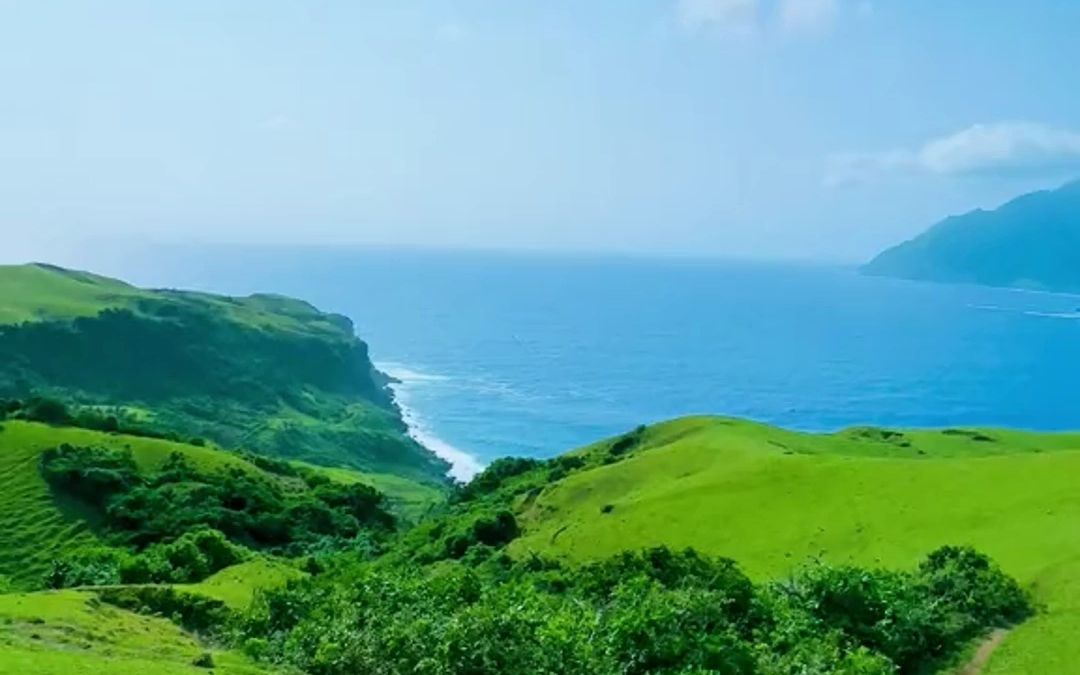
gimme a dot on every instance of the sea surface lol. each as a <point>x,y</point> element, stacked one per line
<point>515,354</point>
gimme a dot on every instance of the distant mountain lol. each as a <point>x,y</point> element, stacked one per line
<point>1031,242</point>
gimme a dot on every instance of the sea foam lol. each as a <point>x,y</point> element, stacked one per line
<point>463,466</point>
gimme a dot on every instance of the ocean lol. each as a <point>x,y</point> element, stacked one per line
<point>518,354</point>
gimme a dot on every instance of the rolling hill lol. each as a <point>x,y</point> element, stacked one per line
<point>50,632</point>
<point>270,374</point>
<point>72,631</point>
<point>37,524</point>
<point>772,499</point>
<point>513,543</point>
<point>1031,242</point>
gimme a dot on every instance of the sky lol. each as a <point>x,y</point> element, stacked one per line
<point>807,129</point>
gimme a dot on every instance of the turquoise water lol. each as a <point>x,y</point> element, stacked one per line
<point>532,355</point>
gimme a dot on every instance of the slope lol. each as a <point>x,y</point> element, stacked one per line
<point>61,632</point>
<point>271,374</point>
<point>37,524</point>
<point>770,498</point>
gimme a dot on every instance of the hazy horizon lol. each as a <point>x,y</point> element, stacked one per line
<point>811,130</point>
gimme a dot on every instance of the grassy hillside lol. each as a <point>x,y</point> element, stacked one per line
<point>267,373</point>
<point>37,524</point>
<point>237,586</point>
<point>770,498</point>
<point>63,632</point>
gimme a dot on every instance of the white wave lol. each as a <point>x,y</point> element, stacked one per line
<point>1055,315</point>
<point>463,466</point>
<point>407,375</point>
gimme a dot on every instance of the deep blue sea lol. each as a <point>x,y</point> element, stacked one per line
<point>531,355</point>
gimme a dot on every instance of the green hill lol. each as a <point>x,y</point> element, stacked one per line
<point>267,373</point>
<point>37,524</point>
<point>771,499</point>
<point>71,631</point>
<point>768,498</point>
<point>1031,242</point>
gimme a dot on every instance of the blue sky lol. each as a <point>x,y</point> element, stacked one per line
<point>820,129</point>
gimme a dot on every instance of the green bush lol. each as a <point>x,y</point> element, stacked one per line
<point>195,613</point>
<point>653,611</point>
<point>191,558</point>
<point>494,476</point>
<point>91,474</point>
<point>248,508</point>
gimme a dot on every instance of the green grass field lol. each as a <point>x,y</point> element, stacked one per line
<point>409,499</point>
<point>65,632</point>
<point>771,499</point>
<point>236,586</point>
<point>38,292</point>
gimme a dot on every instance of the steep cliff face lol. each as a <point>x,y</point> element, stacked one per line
<point>269,373</point>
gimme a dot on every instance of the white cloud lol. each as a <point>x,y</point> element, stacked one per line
<point>807,16</point>
<point>1002,147</point>
<point>728,16</point>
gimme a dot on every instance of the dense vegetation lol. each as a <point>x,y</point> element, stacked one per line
<point>55,412</point>
<point>650,612</point>
<point>446,597</point>
<point>266,373</point>
<point>1031,242</point>
<point>180,524</point>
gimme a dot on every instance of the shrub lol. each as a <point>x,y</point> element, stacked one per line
<point>627,442</point>
<point>494,476</point>
<point>91,474</point>
<point>46,410</point>
<point>189,559</point>
<point>245,507</point>
<point>196,613</point>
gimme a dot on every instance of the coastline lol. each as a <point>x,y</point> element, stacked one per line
<point>463,466</point>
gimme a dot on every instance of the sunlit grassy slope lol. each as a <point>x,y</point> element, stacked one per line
<point>410,500</point>
<point>236,586</point>
<point>39,292</point>
<point>770,498</point>
<point>35,526</point>
<point>65,632</point>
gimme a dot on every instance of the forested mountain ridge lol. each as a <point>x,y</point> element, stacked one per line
<point>1030,242</point>
<point>271,374</point>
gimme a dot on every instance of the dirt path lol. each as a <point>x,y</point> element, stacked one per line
<point>982,654</point>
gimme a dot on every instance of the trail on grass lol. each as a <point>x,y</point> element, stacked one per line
<point>983,653</point>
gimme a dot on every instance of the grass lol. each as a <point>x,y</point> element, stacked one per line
<point>409,499</point>
<point>267,373</point>
<point>64,632</point>
<point>34,525</point>
<point>236,586</point>
<point>770,498</point>
<point>38,292</point>
<point>42,292</point>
